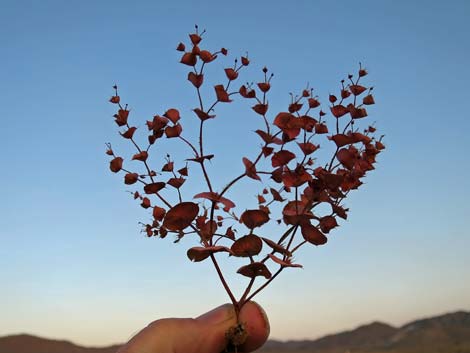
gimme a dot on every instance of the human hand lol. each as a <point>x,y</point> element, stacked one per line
<point>205,334</point>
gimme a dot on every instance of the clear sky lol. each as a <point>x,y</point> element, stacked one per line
<point>73,263</point>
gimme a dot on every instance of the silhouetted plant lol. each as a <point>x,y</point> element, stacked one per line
<point>293,178</point>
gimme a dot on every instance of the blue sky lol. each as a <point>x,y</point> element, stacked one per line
<point>73,263</point>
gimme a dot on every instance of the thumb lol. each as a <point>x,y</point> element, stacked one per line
<point>217,324</point>
<point>205,334</point>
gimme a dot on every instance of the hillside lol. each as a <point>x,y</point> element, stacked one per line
<point>448,333</point>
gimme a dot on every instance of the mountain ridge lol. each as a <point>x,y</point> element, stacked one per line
<point>446,333</point>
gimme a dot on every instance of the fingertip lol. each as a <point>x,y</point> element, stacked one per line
<point>256,323</point>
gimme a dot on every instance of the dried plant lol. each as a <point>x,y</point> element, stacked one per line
<point>292,182</point>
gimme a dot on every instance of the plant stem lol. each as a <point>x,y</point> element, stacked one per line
<point>224,283</point>
<point>265,284</point>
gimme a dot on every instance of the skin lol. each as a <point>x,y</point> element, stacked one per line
<point>204,334</point>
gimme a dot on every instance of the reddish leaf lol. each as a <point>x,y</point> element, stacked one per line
<point>330,180</point>
<point>247,246</point>
<point>148,230</point>
<point>201,220</point>
<point>294,213</point>
<point>173,115</point>
<point>362,72</point>
<point>173,131</point>
<point>358,137</point>
<point>199,253</point>
<point>313,103</point>
<point>321,129</point>
<point>176,182</point>
<point>295,178</point>
<point>203,115</point>
<point>351,182</point>
<point>267,138</point>
<point>201,159</point>
<point>346,158</point>
<point>341,139</point>
<point>245,61</point>
<point>180,47</point>
<point>129,133</point>
<point>141,156</point>
<point>213,196</point>
<point>195,50</point>
<point>115,99</point>
<point>308,147</point>
<point>357,89</point>
<point>196,79</point>
<point>288,124</point>
<point>159,122</point>
<point>250,169</point>
<point>276,195</point>
<point>254,218</point>
<point>264,86</point>
<point>145,202</point>
<point>255,269</point>
<point>158,213</point>
<point>154,188</point>
<point>281,158</point>
<point>222,95</point>
<point>245,93</point>
<point>294,107</point>
<point>267,151</point>
<point>131,178</point>
<point>312,234</point>
<point>265,209</point>
<point>180,216</point>
<point>183,171</point>
<point>332,98</point>
<point>340,211</point>
<point>368,100</point>
<point>206,56</point>
<point>189,59</point>
<point>327,223</point>
<point>339,110</point>
<point>231,74</point>
<point>168,167</point>
<point>308,123</point>
<point>261,199</point>
<point>345,93</point>
<point>121,117</point>
<point>261,109</point>
<point>276,175</point>
<point>116,164</point>
<point>208,229</point>
<point>379,145</point>
<point>283,263</point>
<point>195,38</point>
<point>277,247</point>
<point>230,233</point>
<point>357,113</point>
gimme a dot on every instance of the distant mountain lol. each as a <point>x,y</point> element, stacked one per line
<point>32,344</point>
<point>448,333</point>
